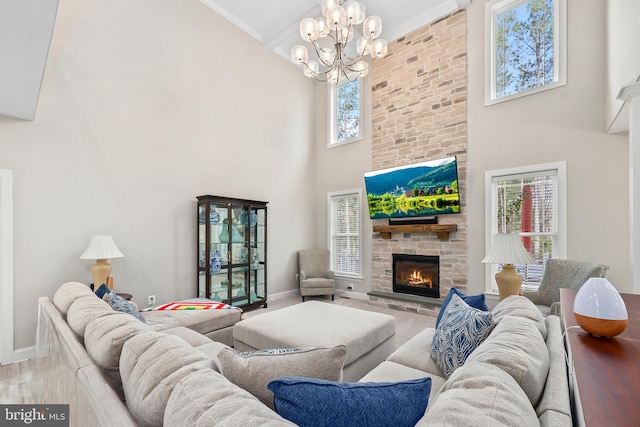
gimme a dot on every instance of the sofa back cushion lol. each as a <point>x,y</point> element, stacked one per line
<point>206,398</point>
<point>83,310</point>
<point>523,307</point>
<point>104,338</point>
<point>151,364</point>
<point>516,347</point>
<point>68,293</point>
<point>479,394</point>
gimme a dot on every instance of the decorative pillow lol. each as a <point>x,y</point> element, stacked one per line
<point>120,304</point>
<point>311,402</point>
<point>461,330</point>
<point>102,290</point>
<point>476,301</point>
<point>479,394</point>
<point>252,370</point>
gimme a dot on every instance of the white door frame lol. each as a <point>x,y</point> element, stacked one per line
<point>6,267</point>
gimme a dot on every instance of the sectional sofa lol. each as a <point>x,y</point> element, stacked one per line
<point>114,370</point>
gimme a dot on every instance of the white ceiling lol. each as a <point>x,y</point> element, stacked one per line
<point>276,23</point>
<point>26,29</point>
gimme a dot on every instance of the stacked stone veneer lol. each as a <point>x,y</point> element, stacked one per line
<point>419,114</point>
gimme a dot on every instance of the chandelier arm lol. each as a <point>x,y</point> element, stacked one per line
<point>317,48</point>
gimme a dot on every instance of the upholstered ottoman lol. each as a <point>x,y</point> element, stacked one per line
<point>369,336</point>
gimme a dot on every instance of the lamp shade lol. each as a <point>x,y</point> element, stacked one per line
<point>507,248</point>
<point>101,247</point>
<point>599,309</point>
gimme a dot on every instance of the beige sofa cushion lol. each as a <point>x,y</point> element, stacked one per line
<point>151,364</point>
<point>253,370</point>
<point>68,293</point>
<point>519,306</point>
<point>104,338</point>
<point>83,310</point>
<point>416,353</point>
<point>479,394</point>
<point>201,321</point>
<point>516,346</point>
<point>205,398</point>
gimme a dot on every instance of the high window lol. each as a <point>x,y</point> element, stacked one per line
<point>344,233</point>
<point>525,41</point>
<point>345,112</point>
<point>532,202</point>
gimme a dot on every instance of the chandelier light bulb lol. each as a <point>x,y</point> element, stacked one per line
<point>354,11</point>
<point>363,46</point>
<point>361,67</point>
<point>309,29</point>
<point>327,56</point>
<point>379,48</point>
<point>328,5</point>
<point>337,18</point>
<point>346,34</point>
<point>372,27</point>
<point>312,69</point>
<point>323,28</point>
<point>299,54</point>
<point>333,76</point>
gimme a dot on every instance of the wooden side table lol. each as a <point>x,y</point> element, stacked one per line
<point>604,372</point>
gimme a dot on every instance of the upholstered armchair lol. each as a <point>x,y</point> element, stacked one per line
<point>314,273</point>
<point>562,273</point>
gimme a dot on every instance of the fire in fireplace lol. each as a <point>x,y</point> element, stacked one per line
<point>416,275</point>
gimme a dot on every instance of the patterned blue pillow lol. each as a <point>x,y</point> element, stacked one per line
<point>120,304</point>
<point>476,301</point>
<point>318,403</point>
<point>461,330</point>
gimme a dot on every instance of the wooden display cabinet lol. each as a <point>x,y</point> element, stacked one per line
<point>232,251</point>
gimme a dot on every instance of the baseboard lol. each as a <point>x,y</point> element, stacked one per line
<point>284,294</point>
<point>352,295</point>
<point>25,353</point>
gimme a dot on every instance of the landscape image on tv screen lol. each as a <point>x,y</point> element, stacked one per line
<point>422,189</point>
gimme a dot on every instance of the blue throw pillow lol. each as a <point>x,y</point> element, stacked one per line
<point>317,403</point>
<point>462,330</point>
<point>120,304</point>
<point>103,289</point>
<point>475,301</point>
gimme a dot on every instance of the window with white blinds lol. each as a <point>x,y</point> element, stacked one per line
<point>344,232</point>
<point>531,201</point>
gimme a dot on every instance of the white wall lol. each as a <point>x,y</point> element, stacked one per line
<point>144,106</point>
<point>342,168</point>
<point>567,123</point>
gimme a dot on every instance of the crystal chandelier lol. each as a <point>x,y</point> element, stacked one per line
<point>330,36</point>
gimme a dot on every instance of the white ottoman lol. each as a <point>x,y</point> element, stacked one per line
<point>369,336</point>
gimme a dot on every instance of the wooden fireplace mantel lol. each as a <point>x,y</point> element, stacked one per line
<point>441,230</point>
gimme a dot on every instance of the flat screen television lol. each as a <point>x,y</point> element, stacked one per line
<point>418,190</point>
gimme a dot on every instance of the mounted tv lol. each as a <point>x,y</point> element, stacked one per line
<point>418,190</point>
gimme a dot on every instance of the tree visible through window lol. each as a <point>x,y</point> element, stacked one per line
<point>528,201</point>
<point>524,48</point>
<point>527,44</point>
<point>347,111</point>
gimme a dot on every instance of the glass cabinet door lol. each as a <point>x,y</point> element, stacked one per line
<point>232,251</point>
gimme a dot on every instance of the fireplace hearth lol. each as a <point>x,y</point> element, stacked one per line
<point>416,275</point>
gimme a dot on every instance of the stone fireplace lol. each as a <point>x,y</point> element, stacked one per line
<point>416,275</point>
<point>419,113</point>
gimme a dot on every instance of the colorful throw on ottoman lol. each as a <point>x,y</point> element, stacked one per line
<point>195,305</point>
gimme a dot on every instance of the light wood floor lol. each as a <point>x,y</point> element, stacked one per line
<point>15,379</point>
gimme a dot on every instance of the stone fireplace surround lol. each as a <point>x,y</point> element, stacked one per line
<point>419,99</point>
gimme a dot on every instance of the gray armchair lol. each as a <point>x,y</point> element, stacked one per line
<point>315,276</point>
<point>562,273</point>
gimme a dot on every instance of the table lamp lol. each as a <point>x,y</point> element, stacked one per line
<point>507,249</point>
<point>599,308</point>
<point>101,247</point>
